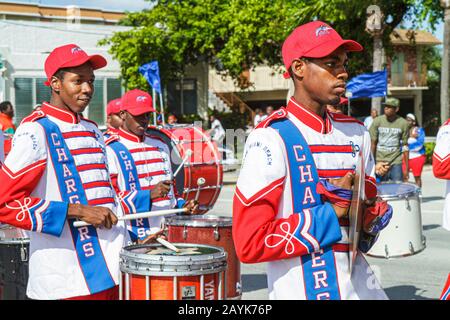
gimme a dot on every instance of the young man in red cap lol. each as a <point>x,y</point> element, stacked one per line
<point>292,196</point>
<point>138,161</point>
<point>113,120</point>
<point>57,173</point>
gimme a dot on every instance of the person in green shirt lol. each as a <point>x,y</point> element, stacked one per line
<point>389,135</point>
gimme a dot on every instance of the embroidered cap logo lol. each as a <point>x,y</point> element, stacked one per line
<point>76,50</point>
<point>141,98</point>
<point>322,30</point>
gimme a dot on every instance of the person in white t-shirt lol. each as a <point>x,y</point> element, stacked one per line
<point>217,132</point>
<point>368,120</point>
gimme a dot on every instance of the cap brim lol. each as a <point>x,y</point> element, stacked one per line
<point>138,112</point>
<point>329,47</point>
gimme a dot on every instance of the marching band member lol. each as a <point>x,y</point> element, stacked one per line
<point>56,173</point>
<point>441,170</point>
<point>138,161</point>
<point>292,195</point>
<point>113,120</point>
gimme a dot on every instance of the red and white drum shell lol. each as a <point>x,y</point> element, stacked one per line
<point>154,272</point>
<point>214,231</point>
<point>203,163</point>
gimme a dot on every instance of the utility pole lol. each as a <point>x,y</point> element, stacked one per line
<point>374,26</point>
<point>445,69</point>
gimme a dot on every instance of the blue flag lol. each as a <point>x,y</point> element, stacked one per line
<point>368,85</point>
<point>151,72</point>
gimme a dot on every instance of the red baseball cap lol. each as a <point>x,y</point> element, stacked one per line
<point>313,40</point>
<point>137,102</point>
<point>113,106</point>
<point>70,55</point>
<point>343,101</point>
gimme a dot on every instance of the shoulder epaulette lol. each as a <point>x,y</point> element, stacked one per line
<point>111,138</point>
<point>276,115</point>
<point>35,115</point>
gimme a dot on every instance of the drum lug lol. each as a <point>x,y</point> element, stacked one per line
<point>23,254</point>
<point>386,250</point>
<point>185,232</point>
<point>216,234</point>
<point>408,206</point>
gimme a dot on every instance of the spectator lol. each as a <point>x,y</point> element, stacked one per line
<point>269,111</point>
<point>2,143</point>
<point>217,132</point>
<point>172,119</point>
<point>260,116</point>
<point>368,120</point>
<point>6,124</point>
<point>389,135</point>
<point>416,147</point>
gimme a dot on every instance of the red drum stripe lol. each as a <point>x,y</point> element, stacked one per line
<point>76,152</point>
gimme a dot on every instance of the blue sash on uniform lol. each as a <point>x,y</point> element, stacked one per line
<point>87,245</point>
<point>299,157</point>
<point>131,179</point>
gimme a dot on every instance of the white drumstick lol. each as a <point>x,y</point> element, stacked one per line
<point>200,181</point>
<point>134,216</point>
<point>188,154</point>
<point>167,244</point>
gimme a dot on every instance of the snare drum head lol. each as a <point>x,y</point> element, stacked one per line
<point>184,251</point>
<point>199,221</point>
<point>395,190</point>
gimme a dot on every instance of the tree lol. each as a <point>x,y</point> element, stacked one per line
<point>236,35</point>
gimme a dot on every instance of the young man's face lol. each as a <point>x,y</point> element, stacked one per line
<point>114,120</point>
<point>390,111</point>
<point>324,78</point>
<point>135,124</point>
<point>76,88</point>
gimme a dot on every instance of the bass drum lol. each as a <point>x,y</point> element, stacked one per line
<point>202,171</point>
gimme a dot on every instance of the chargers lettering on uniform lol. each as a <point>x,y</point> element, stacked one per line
<point>305,171</point>
<point>62,156</point>
<point>309,197</point>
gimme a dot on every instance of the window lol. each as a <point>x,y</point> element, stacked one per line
<point>97,106</point>
<point>24,98</point>
<point>114,89</point>
<point>43,92</point>
<point>182,96</point>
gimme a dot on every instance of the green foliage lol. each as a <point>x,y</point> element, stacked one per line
<point>429,147</point>
<point>235,35</point>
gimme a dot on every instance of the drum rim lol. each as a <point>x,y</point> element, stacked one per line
<point>196,221</point>
<point>14,241</point>
<point>414,192</point>
<point>144,264</point>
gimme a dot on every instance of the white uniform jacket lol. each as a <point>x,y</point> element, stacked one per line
<point>58,158</point>
<point>306,248</point>
<point>139,164</point>
<point>441,166</point>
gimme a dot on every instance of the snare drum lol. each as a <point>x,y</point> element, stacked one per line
<point>153,272</point>
<point>403,235</point>
<point>204,162</point>
<point>209,230</point>
<point>14,248</point>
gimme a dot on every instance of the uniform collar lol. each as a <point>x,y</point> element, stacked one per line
<point>60,114</point>
<point>129,136</point>
<point>309,118</point>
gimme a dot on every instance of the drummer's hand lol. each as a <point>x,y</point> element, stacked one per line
<point>405,176</point>
<point>161,189</point>
<point>192,206</point>
<point>345,182</point>
<point>97,216</point>
<point>152,238</point>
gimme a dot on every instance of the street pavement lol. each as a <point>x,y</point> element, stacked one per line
<point>417,277</point>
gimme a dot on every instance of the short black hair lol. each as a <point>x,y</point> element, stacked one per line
<point>4,106</point>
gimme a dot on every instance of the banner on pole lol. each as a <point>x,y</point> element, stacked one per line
<point>368,85</point>
<point>151,72</point>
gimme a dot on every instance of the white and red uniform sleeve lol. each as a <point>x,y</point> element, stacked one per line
<point>21,173</point>
<point>263,229</point>
<point>441,154</point>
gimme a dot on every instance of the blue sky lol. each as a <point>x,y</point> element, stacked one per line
<point>136,5</point>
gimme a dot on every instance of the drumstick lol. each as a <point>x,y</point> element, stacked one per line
<point>188,154</point>
<point>134,216</point>
<point>167,244</point>
<point>200,181</point>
